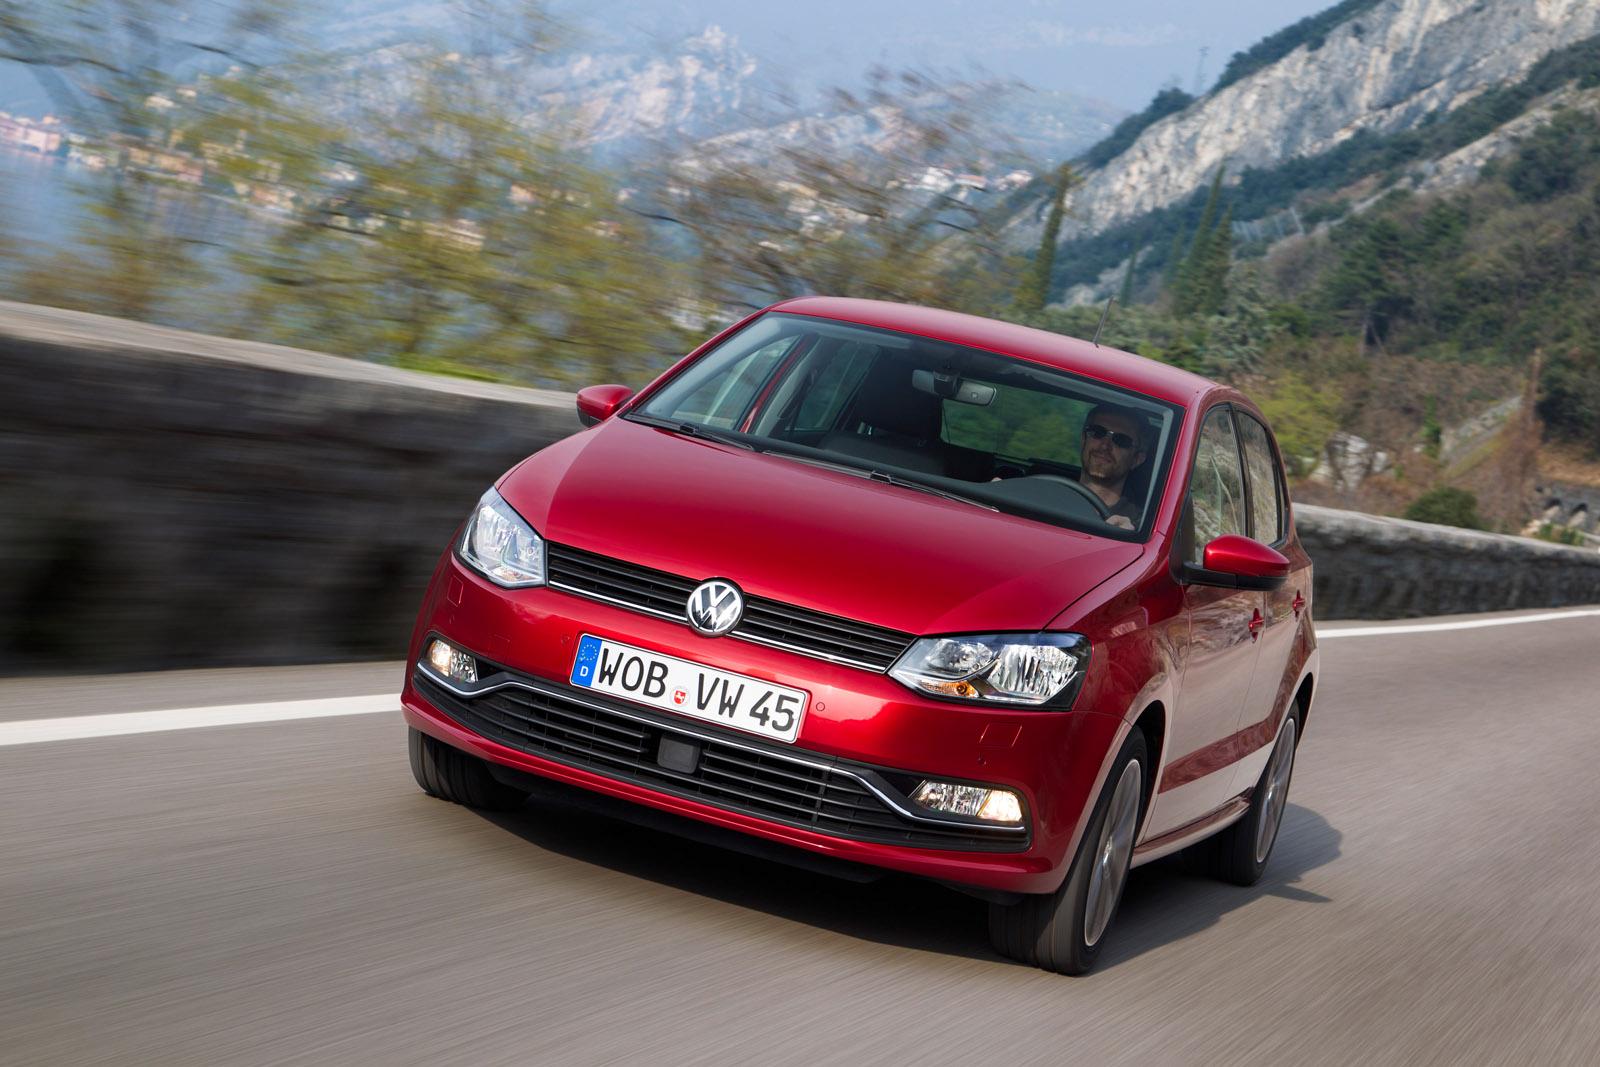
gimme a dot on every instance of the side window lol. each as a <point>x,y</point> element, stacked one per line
<point>835,382</point>
<point>1216,489</point>
<point>1266,482</point>
<point>723,398</point>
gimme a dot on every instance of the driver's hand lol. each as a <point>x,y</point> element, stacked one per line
<point>1121,522</point>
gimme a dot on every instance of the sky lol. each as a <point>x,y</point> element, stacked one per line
<point>1120,52</point>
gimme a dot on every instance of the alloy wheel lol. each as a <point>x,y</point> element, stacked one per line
<point>1277,782</point>
<point>1113,854</point>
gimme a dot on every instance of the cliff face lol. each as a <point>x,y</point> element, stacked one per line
<point>1381,71</point>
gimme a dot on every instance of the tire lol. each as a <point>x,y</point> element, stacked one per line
<point>1056,931</point>
<point>453,775</point>
<point>1240,853</point>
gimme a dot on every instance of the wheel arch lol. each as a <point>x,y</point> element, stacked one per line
<point>1152,722</point>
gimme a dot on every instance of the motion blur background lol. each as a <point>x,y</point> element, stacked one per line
<point>284,285</point>
<point>1380,219</point>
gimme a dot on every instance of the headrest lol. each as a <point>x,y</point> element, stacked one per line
<point>887,401</point>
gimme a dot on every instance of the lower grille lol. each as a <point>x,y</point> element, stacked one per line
<point>545,722</point>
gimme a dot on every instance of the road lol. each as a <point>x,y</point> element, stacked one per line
<point>280,892</point>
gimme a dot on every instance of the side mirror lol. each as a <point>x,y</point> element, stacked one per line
<point>1236,562</point>
<point>598,403</point>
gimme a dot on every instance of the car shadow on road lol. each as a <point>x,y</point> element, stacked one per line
<point>1172,899</point>
<point>1164,902</point>
<point>894,909</point>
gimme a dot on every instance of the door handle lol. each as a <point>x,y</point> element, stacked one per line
<point>1256,623</point>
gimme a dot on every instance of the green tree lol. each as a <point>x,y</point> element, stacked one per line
<point>1569,398</point>
<point>1125,294</point>
<point>1034,292</point>
<point>1199,289</point>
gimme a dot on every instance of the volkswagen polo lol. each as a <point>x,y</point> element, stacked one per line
<point>905,588</point>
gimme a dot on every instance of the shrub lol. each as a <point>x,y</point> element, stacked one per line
<point>1446,506</point>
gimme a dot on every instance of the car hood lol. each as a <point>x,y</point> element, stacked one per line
<point>820,539</point>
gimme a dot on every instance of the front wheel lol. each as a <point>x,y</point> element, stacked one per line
<point>453,775</point>
<point>1063,931</point>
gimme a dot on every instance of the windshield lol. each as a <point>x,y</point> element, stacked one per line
<point>999,431</point>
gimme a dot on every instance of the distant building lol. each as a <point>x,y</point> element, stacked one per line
<point>44,135</point>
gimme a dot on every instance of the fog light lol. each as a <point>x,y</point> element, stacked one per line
<point>991,805</point>
<point>452,663</point>
<point>1002,805</point>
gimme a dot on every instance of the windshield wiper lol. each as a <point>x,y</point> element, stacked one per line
<point>923,487</point>
<point>690,429</point>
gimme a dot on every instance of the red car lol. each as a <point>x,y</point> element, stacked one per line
<point>901,587</point>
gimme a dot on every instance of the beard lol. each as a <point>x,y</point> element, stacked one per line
<point>1100,465</point>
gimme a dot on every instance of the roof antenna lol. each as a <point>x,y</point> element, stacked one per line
<point>1103,314</point>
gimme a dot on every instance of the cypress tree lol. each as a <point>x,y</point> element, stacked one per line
<point>1175,260</point>
<point>1126,296</point>
<point>1034,291</point>
<point>1191,288</point>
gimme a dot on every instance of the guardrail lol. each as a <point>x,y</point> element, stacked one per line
<point>170,499</point>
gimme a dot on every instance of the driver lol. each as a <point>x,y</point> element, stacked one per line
<point>1113,445</point>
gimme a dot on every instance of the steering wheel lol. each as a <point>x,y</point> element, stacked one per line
<point>1100,506</point>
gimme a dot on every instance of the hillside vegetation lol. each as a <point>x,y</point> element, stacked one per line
<point>1410,315</point>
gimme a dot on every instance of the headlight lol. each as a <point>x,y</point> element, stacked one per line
<point>502,547</point>
<point>997,668</point>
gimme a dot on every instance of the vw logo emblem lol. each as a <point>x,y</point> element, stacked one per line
<point>715,607</point>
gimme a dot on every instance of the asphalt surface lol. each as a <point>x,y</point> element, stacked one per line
<point>282,893</point>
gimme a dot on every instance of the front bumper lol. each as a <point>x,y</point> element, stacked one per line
<point>839,791</point>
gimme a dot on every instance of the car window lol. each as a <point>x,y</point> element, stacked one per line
<point>1266,482</point>
<point>1216,489</point>
<point>1009,434</point>
<point>836,379</point>
<point>722,401</point>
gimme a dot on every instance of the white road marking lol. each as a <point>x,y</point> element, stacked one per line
<point>1470,624</point>
<point>34,731</point>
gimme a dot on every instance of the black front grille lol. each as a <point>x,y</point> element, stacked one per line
<point>767,622</point>
<point>544,720</point>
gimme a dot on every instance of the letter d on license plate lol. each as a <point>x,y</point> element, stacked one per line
<point>700,692</point>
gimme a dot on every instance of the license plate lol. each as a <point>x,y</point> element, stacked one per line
<point>676,685</point>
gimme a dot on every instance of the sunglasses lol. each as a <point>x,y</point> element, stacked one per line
<point>1096,432</point>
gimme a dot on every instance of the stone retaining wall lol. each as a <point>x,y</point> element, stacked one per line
<point>169,499</point>
<point>1372,567</point>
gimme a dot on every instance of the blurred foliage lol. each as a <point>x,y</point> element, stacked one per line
<point>1446,506</point>
<point>105,64</point>
<point>812,218</point>
<point>1561,535</point>
<point>449,233</point>
<point>439,225</point>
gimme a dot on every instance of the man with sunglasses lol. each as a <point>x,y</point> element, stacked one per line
<point>1113,445</point>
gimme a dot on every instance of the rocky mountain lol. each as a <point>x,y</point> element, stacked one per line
<point>1393,66</point>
